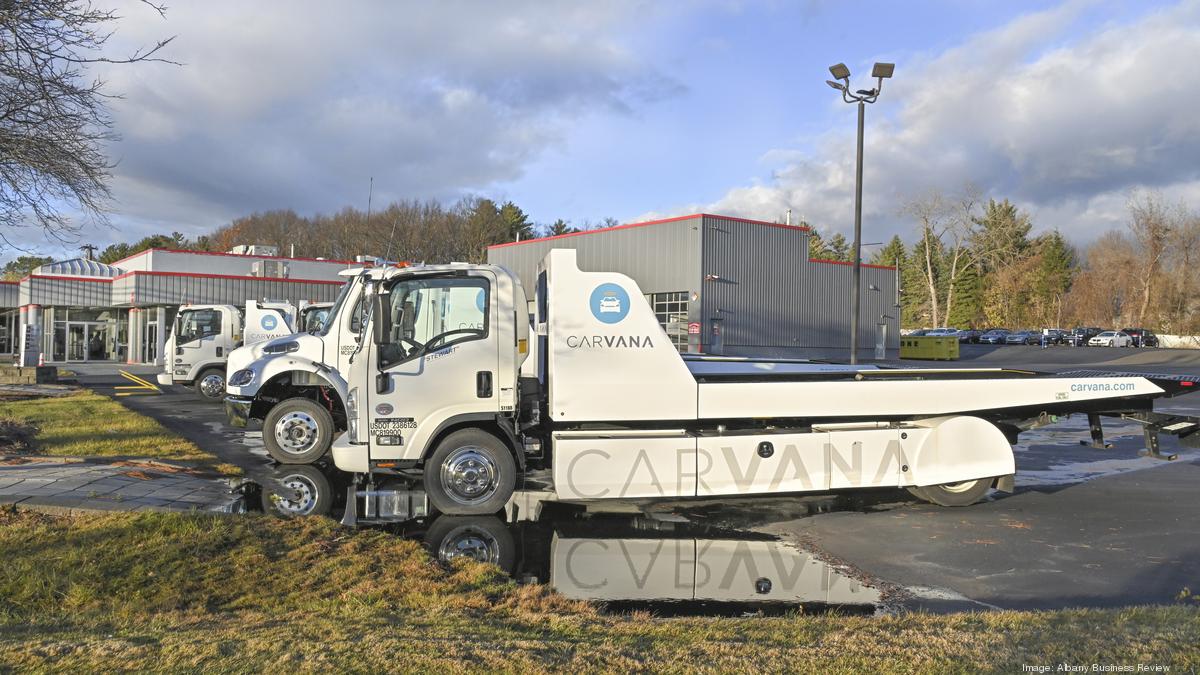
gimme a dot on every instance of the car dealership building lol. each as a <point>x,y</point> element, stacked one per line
<point>84,310</point>
<point>733,286</point>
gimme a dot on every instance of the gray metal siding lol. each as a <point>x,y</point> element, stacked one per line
<point>50,291</point>
<point>661,257</point>
<point>770,300</point>
<point>9,295</point>
<point>176,290</point>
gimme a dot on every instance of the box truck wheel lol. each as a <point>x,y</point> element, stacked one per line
<point>297,431</point>
<point>298,490</point>
<point>470,473</point>
<point>963,493</point>
<point>210,384</point>
<point>481,538</point>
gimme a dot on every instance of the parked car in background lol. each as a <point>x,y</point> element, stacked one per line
<point>1141,337</point>
<point>918,332</point>
<point>969,335</point>
<point>1081,335</point>
<point>1024,337</point>
<point>995,336</point>
<point>942,332</point>
<point>1055,336</point>
<point>1111,338</point>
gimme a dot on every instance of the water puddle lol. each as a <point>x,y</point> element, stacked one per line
<point>632,560</point>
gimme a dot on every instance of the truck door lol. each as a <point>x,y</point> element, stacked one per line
<point>437,364</point>
<point>198,336</point>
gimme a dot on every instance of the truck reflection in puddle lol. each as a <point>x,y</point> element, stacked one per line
<point>625,561</point>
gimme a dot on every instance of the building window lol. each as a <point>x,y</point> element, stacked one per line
<point>671,310</point>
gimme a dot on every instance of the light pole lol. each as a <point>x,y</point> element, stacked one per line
<point>862,97</point>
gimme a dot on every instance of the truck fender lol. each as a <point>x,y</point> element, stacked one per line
<point>957,448</point>
<point>270,369</point>
<point>488,422</point>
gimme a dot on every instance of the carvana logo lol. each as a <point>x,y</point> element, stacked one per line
<point>609,303</point>
<point>269,322</point>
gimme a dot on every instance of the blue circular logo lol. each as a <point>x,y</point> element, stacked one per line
<point>480,297</point>
<point>269,322</point>
<point>609,303</point>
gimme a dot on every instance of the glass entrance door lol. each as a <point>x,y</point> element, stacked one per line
<point>76,342</point>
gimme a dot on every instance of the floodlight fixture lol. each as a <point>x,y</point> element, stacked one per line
<point>839,71</point>
<point>835,85</point>
<point>883,70</point>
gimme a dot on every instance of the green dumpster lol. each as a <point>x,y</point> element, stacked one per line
<point>929,348</point>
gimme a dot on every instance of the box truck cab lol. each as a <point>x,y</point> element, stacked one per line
<point>452,382</point>
<point>203,336</point>
<point>292,384</point>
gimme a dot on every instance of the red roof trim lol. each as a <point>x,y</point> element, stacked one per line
<point>233,255</point>
<point>844,262</point>
<point>11,283</point>
<point>94,280</point>
<point>652,222</point>
<point>228,276</point>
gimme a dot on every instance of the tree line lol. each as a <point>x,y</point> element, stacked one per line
<point>976,264</point>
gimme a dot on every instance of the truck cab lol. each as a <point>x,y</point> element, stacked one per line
<point>203,336</point>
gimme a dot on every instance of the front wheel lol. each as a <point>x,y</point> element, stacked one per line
<point>298,431</point>
<point>210,385</point>
<point>963,493</point>
<point>297,491</point>
<point>471,473</point>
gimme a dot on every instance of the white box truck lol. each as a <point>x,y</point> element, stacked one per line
<point>203,337</point>
<point>448,380</point>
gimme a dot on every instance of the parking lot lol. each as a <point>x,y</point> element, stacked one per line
<point>1085,527</point>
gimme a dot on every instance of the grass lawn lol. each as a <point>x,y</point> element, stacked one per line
<point>87,424</point>
<point>249,593</point>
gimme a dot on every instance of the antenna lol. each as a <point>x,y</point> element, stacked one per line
<point>370,194</point>
<point>387,257</point>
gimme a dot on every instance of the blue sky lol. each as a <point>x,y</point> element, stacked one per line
<point>632,109</point>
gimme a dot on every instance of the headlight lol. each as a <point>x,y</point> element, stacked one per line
<point>352,414</point>
<point>241,378</point>
<point>282,348</point>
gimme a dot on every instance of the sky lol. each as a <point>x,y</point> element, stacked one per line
<point>637,109</point>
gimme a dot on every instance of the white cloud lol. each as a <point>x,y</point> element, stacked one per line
<point>1063,127</point>
<point>296,104</point>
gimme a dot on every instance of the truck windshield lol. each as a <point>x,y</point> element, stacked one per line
<point>313,319</point>
<point>332,312</point>
<point>195,324</point>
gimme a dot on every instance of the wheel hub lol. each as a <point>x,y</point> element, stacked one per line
<point>296,432</point>
<point>212,385</point>
<point>469,543</point>
<point>297,497</point>
<point>468,476</point>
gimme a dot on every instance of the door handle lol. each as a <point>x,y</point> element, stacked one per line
<point>483,384</point>
<point>220,351</point>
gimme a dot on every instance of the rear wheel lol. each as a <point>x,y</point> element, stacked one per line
<point>470,473</point>
<point>963,493</point>
<point>210,385</point>
<point>297,431</point>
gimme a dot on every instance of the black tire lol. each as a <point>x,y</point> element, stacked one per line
<point>917,492</point>
<point>298,431</point>
<point>471,473</point>
<point>963,493</point>
<point>297,490</point>
<point>481,538</point>
<point>210,384</point>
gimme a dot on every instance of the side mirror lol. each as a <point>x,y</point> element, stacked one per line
<point>381,319</point>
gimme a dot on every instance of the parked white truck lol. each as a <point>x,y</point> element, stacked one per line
<point>203,337</point>
<point>445,378</point>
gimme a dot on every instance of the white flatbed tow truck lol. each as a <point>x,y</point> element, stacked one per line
<point>451,382</point>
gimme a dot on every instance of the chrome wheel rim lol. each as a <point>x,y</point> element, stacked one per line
<point>299,496</point>
<point>469,476</point>
<point>296,432</point>
<point>212,385</point>
<point>959,487</point>
<point>471,543</point>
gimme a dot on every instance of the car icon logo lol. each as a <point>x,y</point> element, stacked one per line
<point>610,304</point>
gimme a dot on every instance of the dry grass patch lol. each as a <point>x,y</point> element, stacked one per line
<point>173,592</point>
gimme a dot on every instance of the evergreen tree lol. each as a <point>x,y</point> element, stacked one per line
<point>559,227</point>
<point>892,254</point>
<point>517,222</point>
<point>839,248</point>
<point>20,267</point>
<point>817,249</point>
<point>968,299</point>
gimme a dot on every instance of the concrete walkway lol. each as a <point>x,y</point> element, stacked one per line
<point>73,485</point>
